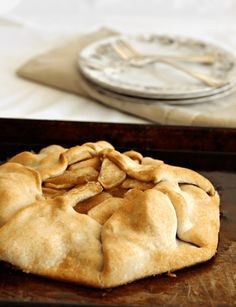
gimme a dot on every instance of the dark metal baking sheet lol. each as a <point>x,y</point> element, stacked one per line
<point>212,151</point>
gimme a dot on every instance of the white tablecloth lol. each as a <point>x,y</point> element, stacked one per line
<point>29,27</point>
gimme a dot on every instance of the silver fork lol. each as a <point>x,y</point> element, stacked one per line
<point>122,45</point>
<point>128,53</point>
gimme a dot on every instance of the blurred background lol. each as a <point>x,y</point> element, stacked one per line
<point>30,27</point>
<point>129,15</point>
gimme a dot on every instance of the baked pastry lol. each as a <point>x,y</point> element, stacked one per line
<point>97,217</point>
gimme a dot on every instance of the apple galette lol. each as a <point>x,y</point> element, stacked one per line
<point>97,217</point>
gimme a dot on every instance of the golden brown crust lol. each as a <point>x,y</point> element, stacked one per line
<point>19,187</point>
<point>48,162</point>
<point>94,216</point>
<point>71,178</point>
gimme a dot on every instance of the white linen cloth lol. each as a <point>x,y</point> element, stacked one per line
<point>24,99</point>
<point>25,34</point>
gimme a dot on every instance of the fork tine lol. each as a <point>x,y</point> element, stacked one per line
<point>132,51</point>
<point>119,51</point>
<point>122,50</point>
<point>128,49</point>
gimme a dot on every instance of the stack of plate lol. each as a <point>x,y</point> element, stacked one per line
<point>158,81</point>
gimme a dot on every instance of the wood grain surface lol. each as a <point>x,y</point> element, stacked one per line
<point>210,151</point>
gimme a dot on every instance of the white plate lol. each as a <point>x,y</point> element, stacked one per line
<point>176,102</point>
<point>100,64</point>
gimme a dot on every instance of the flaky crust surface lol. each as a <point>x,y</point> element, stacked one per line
<point>97,217</point>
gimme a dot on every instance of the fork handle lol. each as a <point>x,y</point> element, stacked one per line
<point>205,79</point>
<point>142,61</point>
<point>203,59</point>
